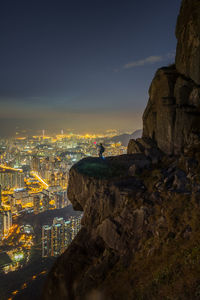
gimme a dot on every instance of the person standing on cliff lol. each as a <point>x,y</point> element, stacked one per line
<point>101,150</point>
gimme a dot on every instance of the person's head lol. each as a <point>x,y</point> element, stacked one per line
<point>101,144</point>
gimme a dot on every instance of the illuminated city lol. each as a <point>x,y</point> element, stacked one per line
<point>34,170</point>
<point>36,218</point>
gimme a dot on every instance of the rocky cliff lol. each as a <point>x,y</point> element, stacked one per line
<point>141,225</point>
<point>188,36</point>
<point>171,117</point>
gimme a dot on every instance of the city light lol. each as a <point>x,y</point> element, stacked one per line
<point>39,178</point>
<point>18,256</point>
<point>10,168</point>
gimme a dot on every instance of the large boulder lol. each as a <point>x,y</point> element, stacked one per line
<point>172,115</point>
<point>159,115</point>
<point>188,36</point>
<point>147,147</point>
<point>171,118</point>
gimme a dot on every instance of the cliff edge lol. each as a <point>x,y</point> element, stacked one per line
<point>141,225</point>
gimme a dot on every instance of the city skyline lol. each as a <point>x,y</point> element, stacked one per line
<point>82,65</point>
<point>36,215</point>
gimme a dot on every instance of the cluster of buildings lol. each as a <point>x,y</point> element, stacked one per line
<point>21,201</point>
<point>10,179</point>
<point>16,250</point>
<point>33,179</point>
<point>5,221</point>
<point>34,170</point>
<point>57,237</point>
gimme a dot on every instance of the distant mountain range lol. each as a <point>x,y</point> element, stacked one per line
<point>125,137</point>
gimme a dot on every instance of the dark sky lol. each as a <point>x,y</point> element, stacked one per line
<point>81,64</point>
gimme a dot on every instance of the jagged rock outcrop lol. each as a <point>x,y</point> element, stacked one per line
<point>172,116</point>
<point>188,36</point>
<point>141,223</point>
<point>147,147</point>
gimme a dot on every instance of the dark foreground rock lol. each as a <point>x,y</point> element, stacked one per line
<point>139,232</point>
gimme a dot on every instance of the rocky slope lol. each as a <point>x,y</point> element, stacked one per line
<point>141,224</point>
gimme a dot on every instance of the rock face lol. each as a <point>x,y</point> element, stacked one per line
<point>147,147</point>
<point>171,118</point>
<point>172,115</point>
<point>140,231</point>
<point>188,36</point>
<point>141,223</point>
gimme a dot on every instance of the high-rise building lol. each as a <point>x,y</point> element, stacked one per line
<point>1,225</point>
<point>67,234</point>
<point>35,164</point>
<point>64,180</point>
<point>13,202</point>
<point>45,202</point>
<point>56,238</point>
<point>47,174</point>
<point>36,204</point>
<point>11,179</point>
<point>46,241</point>
<point>52,179</point>
<point>7,222</point>
<point>59,200</point>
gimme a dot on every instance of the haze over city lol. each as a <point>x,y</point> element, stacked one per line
<point>85,65</point>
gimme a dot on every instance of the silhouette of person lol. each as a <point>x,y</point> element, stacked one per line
<point>101,150</point>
